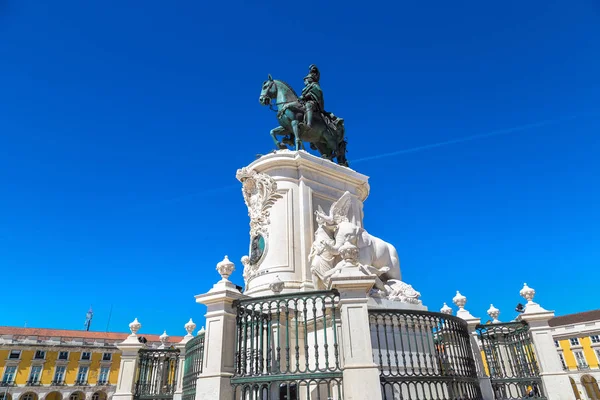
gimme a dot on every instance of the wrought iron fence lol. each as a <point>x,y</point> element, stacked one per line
<point>192,368</point>
<point>510,360</point>
<point>156,374</point>
<point>423,355</point>
<point>287,347</point>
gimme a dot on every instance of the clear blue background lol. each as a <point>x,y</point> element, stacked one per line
<point>122,124</point>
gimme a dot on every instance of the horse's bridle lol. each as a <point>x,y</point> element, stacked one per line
<point>271,104</point>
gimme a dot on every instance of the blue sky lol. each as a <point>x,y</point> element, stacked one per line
<point>122,125</point>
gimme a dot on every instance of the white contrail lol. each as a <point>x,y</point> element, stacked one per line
<point>466,138</point>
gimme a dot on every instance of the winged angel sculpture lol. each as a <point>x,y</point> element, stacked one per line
<point>375,256</point>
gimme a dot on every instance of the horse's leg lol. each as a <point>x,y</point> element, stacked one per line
<point>280,130</point>
<point>296,131</point>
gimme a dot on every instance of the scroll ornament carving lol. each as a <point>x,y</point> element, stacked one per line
<point>260,193</point>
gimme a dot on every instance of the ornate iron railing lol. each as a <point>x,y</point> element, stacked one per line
<point>156,374</point>
<point>510,360</point>
<point>194,356</point>
<point>287,347</point>
<point>423,355</point>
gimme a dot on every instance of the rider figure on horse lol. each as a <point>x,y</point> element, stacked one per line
<point>312,95</point>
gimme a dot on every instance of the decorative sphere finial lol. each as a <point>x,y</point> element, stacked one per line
<point>446,310</point>
<point>163,338</point>
<point>225,268</point>
<point>189,327</point>
<point>527,293</point>
<point>493,312</point>
<point>134,327</point>
<point>276,285</point>
<point>459,300</point>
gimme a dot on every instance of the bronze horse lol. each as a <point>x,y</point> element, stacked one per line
<point>325,135</point>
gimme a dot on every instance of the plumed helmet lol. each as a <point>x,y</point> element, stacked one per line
<point>313,73</point>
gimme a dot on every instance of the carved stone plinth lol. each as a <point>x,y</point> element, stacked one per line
<point>282,191</point>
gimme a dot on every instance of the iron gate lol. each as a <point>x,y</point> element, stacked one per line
<point>192,368</point>
<point>156,376</point>
<point>287,347</point>
<point>423,355</point>
<point>510,360</point>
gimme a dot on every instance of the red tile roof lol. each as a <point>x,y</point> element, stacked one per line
<point>576,318</point>
<point>67,333</point>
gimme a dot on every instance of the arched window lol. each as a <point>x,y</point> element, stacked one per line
<point>591,387</point>
<point>28,396</point>
<point>575,390</point>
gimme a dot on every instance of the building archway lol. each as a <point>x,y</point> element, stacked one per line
<point>29,396</point>
<point>53,396</point>
<point>575,390</point>
<point>5,396</point>
<point>99,395</point>
<point>77,396</point>
<point>591,387</point>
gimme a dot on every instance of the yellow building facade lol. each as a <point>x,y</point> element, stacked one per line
<point>577,341</point>
<point>53,364</point>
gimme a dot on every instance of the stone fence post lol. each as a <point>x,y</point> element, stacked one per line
<point>129,360</point>
<point>189,327</point>
<point>360,373</point>
<point>484,381</point>
<point>219,345</point>
<point>555,380</point>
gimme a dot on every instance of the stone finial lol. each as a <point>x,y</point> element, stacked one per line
<point>225,268</point>
<point>189,327</point>
<point>163,339</point>
<point>349,253</point>
<point>493,312</point>
<point>276,285</point>
<point>134,327</point>
<point>527,293</point>
<point>202,331</point>
<point>446,310</point>
<point>459,300</point>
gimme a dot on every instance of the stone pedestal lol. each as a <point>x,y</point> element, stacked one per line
<point>219,348</point>
<point>361,375</point>
<point>484,381</point>
<point>127,370</point>
<point>556,381</point>
<point>282,191</point>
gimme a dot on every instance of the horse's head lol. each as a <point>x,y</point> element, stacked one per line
<point>268,92</point>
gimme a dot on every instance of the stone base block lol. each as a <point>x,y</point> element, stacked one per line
<point>214,387</point>
<point>361,383</point>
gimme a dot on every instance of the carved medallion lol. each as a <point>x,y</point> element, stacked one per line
<point>260,193</point>
<point>257,248</point>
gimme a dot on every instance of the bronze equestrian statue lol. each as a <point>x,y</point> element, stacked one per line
<point>304,119</point>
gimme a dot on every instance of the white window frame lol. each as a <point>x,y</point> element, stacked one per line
<point>109,357</point>
<point>562,360</point>
<point>106,377</point>
<point>62,377</point>
<point>557,344</point>
<point>85,378</point>
<point>86,359</point>
<point>39,375</point>
<point>13,376</point>
<point>43,357</point>
<point>13,358</point>
<point>595,339</point>
<point>62,359</point>
<point>579,359</point>
<point>597,353</point>
<point>576,339</point>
